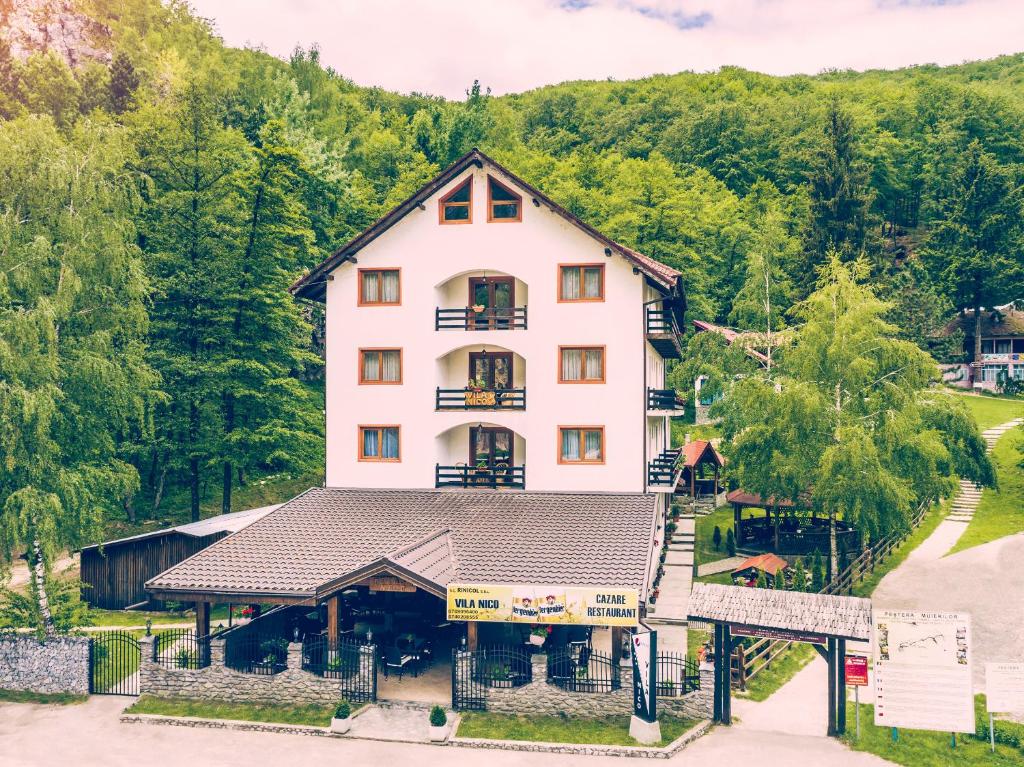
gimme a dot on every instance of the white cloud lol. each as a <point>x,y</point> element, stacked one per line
<point>440,46</point>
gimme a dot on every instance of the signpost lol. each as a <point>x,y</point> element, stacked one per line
<point>644,725</point>
<point>1004,693</point>
<point>923,671</point>
<point>856,675</point>
<point>536,603</point>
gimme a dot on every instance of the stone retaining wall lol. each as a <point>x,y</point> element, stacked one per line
<point>53,665</point>
<point>218,682</point>
<point>538,697</point>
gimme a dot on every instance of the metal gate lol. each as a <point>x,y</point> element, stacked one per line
<point>474,671</point>
<point>114,658</point>
<point>352,663</point>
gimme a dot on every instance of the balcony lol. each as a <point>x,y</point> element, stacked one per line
<point>664,399</point>
<point>662,471</point>
<point>663,333</point>
<point>492,476</point>
<point>481,399</point>
<point>466,318</point>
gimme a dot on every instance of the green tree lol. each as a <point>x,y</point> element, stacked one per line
<point>730,542</point>
<point>975,245</point>
<point>193,242</point>
<point>716,538</point>
<point>124,81</point>
<point>817,573</point>
<point>73,376</point>
<point>762,580</point>
<point>48,86</point>
<point>266,410</point>
<point>799,575</point>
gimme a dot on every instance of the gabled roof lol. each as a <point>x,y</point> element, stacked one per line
<point>769,563</point>
<point>328,537</point>
<point>312,285</point>
<point>1000,322</point>
<point>694,452</point>
<point>744,498</point>
<point>222,523</point>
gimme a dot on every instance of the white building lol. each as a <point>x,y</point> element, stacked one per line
<point>480,335</point>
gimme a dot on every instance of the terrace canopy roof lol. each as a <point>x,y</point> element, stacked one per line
<point>328,538</point>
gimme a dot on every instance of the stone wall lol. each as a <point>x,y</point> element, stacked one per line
<point>54,665</point>
<point>541,698</point>
<point>218,682</point>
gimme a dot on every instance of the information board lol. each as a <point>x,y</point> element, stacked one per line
<point>1004,688</point>
<point>923,670</point>
<point>645,652</point>
<point>857,670</point>
<point>533,603</point>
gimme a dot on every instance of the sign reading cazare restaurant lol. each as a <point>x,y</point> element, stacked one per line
<point>578,605</point>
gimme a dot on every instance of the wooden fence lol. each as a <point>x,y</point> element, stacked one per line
<point>748,662</point>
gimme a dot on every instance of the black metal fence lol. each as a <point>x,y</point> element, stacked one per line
<point>661,321</point>
<point>663,399</point>
<point>677,675</point>
<point>498,666</point>
<point>254,653</point>
<point>512,318</point>
<point>661,471</point>
<point>181,648</point>
<point>463,475</point>
<point>480,399</point>
<point>350,661</point>
<point>114,658</point>
<point>580,670</point>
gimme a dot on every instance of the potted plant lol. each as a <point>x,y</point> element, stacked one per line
<point>478,308</point>
<point>539,635</point>
<point>438,724</point>
<point>341,722</point>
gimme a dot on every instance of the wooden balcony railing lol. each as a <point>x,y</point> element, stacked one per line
<point>481,399</point>
<point>660,321</point>
<point>661,471</point>
<point>464,475</point>
<point>663,399</point>
<point>513,318</point>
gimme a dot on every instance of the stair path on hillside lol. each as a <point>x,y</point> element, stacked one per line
<point>670,612</point>
<point>966,501</point>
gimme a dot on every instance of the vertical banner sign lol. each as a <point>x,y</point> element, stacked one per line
<point>645,673</point>
<point>923,670</point>
<point>857,670</point>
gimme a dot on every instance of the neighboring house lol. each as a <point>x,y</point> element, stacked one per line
<point>1002,348</point>
<point>496,410</point>
<point>703,402</point>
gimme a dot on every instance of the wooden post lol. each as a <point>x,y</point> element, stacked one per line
<point>333,617</point>
<point>831,686</point>
<point>727,683</point>
<point>737,522</point>
<point>616,645</point>
<point>693,476</point>
<point>777,510</point>
<point>716,480</point>
<point>471,635</point>
<point>841,671</point>
<point>719,652</point>
<point>202,619</point>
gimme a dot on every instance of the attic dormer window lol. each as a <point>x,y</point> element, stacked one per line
<point>456,207</point>
<point>502,203</point>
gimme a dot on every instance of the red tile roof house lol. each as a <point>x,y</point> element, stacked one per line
<point>1002,348</point>
<point>427,487</point>
<point>703,404</point>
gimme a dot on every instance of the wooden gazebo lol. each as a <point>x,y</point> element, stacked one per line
<point>698,457</point>
<point>780,530</point>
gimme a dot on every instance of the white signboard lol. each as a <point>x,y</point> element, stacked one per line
<point>923,670</point>
<point>1004,688</point>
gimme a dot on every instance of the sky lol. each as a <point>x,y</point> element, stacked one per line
<point>441,46</point>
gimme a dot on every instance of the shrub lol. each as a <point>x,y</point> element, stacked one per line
<point>716,538</point>
<point>817,573</point>
<point>799,576</point>
<point>762,580</point>
<point>438,718</point>
<point>183,658</point>
<point>343,711</point>
<point>730,542</point>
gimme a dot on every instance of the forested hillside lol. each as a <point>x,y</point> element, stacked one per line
<point>212,177</point>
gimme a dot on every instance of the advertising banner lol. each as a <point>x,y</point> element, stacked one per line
<point>923,670</point>
<point>645,668</point>
<point>575,605</point>
<point>857,670</point>
<point>1004,688</point>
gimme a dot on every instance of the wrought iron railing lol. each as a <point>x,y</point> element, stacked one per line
<point>181,648</point>
<point>481,399</point>
<point>464,475</point>
<point>254,653</point>
<point>677,675</point>
<point>503,666</point>
<point>663,399</point>
<point>580,670</point>
<point>512,318</point>
<point>350,661</point>
<point>661,471</point>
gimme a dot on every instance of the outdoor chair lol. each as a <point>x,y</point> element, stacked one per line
<point>394,659</point>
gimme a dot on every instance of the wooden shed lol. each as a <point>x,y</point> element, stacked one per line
<point>114,573</point>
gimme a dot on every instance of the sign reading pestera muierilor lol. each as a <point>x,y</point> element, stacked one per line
<point>579,605</point>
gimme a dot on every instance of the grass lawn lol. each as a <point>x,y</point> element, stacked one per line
<point>116,618</point>
<point>278,713</point>
<point>611,731</point>
<point>917,748</point>
<point>784,668</point>
<point>991,411</point>
<point>704,546</point>
<point>1000,512</point>
<point>20,696</point>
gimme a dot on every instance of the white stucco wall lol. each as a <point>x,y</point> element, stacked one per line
<point>430,255</point>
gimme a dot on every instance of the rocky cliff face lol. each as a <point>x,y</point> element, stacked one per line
<point>29,26</point>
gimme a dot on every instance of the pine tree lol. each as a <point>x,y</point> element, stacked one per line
<point>730,542</point>
<point>124,81</point>
<point>716,537</point>
<point>762,580</point>
<point>266,410</point>
<point>817,573</point>
<point>799,575</point>
<point>73,376</point>
<point>193,245</point>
